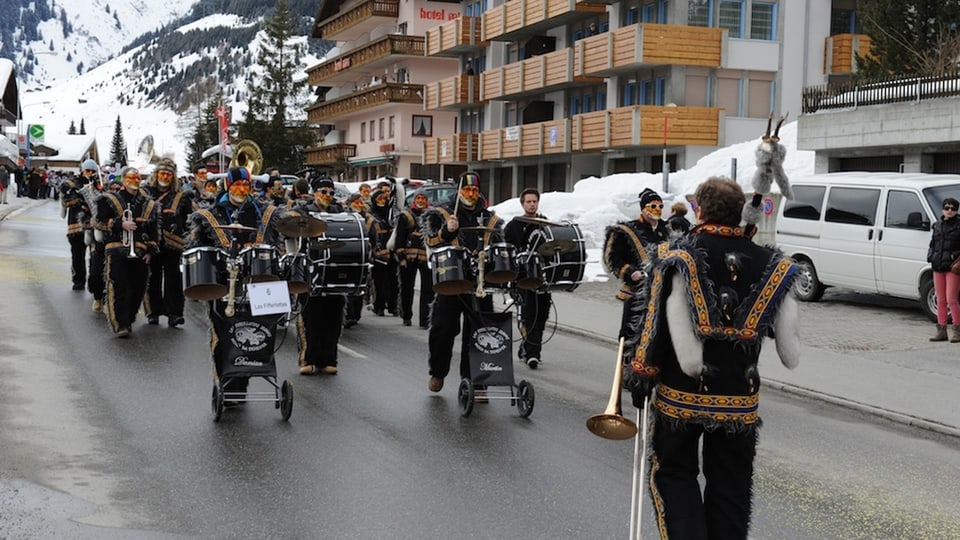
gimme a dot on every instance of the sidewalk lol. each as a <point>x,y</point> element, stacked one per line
<point>17,204</point>
<point>905,392</point>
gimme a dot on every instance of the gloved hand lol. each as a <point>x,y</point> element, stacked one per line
<point>643,390</point>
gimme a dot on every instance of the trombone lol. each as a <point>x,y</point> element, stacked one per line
<point>126,236</point>
<point>611,424</point>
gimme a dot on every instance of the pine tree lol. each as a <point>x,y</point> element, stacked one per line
<point>205,132</point>
<point>118,148</point>
<point>83,127</point>
<point>266,121</point>
<point>72,130</point>
<point>910,37</point>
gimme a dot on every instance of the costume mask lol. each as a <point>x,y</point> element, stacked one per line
<point>420,202</point>
<point>164,178</point>
<point>469,195</point>
<point>131,182</point>
<point>653,210</point>
<point>239,191</point>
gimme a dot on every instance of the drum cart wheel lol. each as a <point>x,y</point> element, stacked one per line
<point>286,400</point>
<point>216,402</point>
<point>465,396</point>
<point>525,398</point>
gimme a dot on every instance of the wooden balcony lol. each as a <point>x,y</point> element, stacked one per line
<point>357,21</point>
<point>640,125</point>
<point>534,75</point>
<point>456,148</point>
<point>516,19</point>
<point>330,155</point>
<point>841,51</point>
<point>454,38</point>
<point>369,58</point>
<point>452,93</point>
<point>364,100</point>
<point>627,48</point>
<point>529,140</point>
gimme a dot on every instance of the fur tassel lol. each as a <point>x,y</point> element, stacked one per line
<point>786,332</point>
<point>686,344</point>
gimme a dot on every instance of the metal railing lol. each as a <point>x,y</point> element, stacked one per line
<point>880,91</point>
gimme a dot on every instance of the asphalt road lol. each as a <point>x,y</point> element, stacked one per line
<point>108,438</point>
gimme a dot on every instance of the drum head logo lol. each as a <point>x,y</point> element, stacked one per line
<point>490,340</point>
<point>249,336</point>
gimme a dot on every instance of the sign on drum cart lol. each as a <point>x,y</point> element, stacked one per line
<point>491,348</point>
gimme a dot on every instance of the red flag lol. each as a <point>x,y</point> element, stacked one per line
<point>223,115</point>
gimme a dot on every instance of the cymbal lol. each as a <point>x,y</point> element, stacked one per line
<point>560,246</point>
<point>297,226</point>
<point>234,229</point>
<point>326,243</point>
<point>537,221</point>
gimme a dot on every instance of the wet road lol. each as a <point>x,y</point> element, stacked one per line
<point>108,438</point>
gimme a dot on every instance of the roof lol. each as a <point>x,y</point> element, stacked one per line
<point>9,91</point>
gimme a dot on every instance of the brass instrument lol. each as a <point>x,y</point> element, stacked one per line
<point>89,194</point>
<point>126,236</point>
<point>611,424</point>
<point>247,154</point>
<point>234,269</point>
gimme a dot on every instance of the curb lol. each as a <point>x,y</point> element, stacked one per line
<point>893,416</point>
<point>20,208</point>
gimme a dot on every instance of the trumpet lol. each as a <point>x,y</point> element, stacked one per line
<point>127,236</point>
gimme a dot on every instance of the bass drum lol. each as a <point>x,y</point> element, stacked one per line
<point>203,271</point>
<point>563,254</point>
<point>340,258</point>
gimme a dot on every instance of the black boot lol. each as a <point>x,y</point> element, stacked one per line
<point>941,333</point>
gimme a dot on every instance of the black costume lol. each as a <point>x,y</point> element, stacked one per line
<point>96,277</point>
<point>354,302</point>
<point>534,304</point>
<point>384,270</point>
<point>412,251</point>
<point>713,297</point>
<point>446,310</point>
<point>126,275</point>
<point>623,253</point>
<point>165,292</point>
<point>78,219</point>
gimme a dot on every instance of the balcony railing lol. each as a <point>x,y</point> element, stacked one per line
<point>537,74</point>
<point>517,18</point>
<point>528,140</point>
<point>841,51</point>
<point>455,37</point>
<point>452,93</point>
<point>880,92</point>
<point>330,154</point>
<point>456,148</point>
<point>366,99</point>
<point>639,125</point>
<point>365,56</point>
<point>357,21</point>
<point>626,48</point>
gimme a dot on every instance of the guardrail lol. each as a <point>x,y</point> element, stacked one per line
<point>879,92</point>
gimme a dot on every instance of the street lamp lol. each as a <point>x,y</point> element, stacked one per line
<point>663,159</point>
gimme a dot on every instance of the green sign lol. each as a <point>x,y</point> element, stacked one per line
<point>36,131</point>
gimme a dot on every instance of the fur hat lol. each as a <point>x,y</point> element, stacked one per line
<point>470,178</point>
<point>237,174</point>
<point>648,195</point>
<point>166,164</point>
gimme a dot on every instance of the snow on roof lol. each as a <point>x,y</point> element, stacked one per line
<point>8,149</point>
<point>69,147</point>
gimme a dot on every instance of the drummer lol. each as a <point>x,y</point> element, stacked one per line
<point>534,304</point>
<point>355,302</point>
<point>235,207</point>
<point>441,227</point>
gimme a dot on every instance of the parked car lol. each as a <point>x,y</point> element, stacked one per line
<point>436,193</point>
<point>868,232</point>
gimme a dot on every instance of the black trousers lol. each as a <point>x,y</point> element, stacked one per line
<point>408,277</point>
<point>354,308</point>
<point>165,292</point>
<point>78,257</point>
<point>723,510</point>
<point>534,311</point>
<point>385,286</point>
<point>126,285</point>
<point>97,283</point>
<point>318,329</point>
<point>445,317</point>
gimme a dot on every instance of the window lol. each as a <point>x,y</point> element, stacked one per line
<point>806,203</point>
<point>628,95</point>
<point>575,105</point>
<point>588,103</point>
<point>662,11</point>
<point>393,126</point>
<point>373,136</point>
<point>763,21</point>
<point>646,93</point>
<point>660,96</point>
<point>601,101</point>
<point>632,16</point>
<point>852,205</point>
<point>647,15</point>
<point>700,12</point>
<point>402,29</point>
<point>382,124</point>
<point>904,211</point>
<point>731,17</point>
<point>363,132</point>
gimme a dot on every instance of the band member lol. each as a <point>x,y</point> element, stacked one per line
<point>165,291</point>
<point>365,192</point>
<point>355,302</point>
<point>96,277</point>
<point>78,220</point>
<point>412,253</point>
<point>534,305</point>
<point>236,207</point>
<point>713,297</point>
<point>300,194</point>
<point>441,227</point>
<point>624,255</point>
<point>276,192</point>
<point>207,196</point>
<point>384,265</point>
<point>321,316</point>
<point>128,221</point>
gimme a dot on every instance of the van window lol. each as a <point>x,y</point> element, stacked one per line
<point>904,211</point>
<point>936,195</point>
<point>855,206</point>
<point>806,204</point>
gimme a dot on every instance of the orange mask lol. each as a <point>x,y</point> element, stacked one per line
<point>420,202</point>
<point>239,191</point>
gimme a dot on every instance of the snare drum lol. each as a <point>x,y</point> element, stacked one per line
<point>501,264</point>
<point>530,275</point>
<point>296,270</point>
<point>340,258</point>
<point>452,273</point>
<point>259,263</point>
<point>563,269</point>
<point>203,272</point>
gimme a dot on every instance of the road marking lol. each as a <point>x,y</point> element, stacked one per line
<point>351,352</point>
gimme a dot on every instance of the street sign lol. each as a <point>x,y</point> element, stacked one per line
<point>36,132</point>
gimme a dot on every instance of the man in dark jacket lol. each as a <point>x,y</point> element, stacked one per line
<point>78,220</point>
<point>412,253</point>
<point>165,291</point>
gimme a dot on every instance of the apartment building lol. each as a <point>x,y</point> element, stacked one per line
<point>370,89</point>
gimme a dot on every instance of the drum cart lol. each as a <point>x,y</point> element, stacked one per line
<point>491,365</point>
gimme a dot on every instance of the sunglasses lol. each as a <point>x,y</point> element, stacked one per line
<point>654,206</point>
<point>326,192</point>
<point>949,208</point>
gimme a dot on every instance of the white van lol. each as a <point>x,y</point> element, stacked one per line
<point>864,231</point>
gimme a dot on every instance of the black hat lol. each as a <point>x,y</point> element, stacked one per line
<point>323,183</point>
<point>648,195</point>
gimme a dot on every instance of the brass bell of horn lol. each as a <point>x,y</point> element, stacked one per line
<point>611,424</point>
<point>247,154</point>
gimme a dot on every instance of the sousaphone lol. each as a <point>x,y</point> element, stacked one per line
<point>247,154</point>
